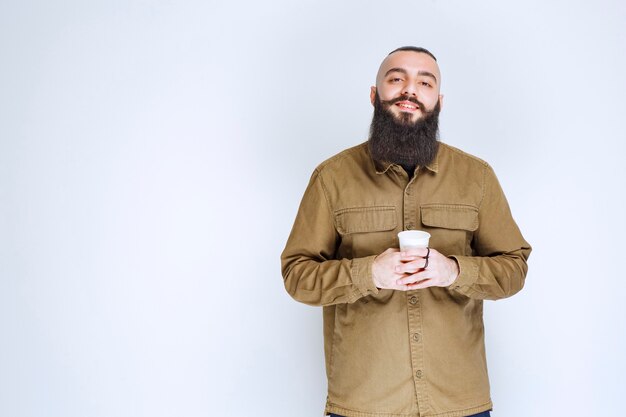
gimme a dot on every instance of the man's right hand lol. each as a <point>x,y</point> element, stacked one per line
<point>384,270</point>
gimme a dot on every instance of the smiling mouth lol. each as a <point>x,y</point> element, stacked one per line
<point>407,106</point>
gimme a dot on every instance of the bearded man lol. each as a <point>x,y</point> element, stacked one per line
<point>403,330</point>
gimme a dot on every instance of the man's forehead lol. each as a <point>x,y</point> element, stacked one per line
<point>410,61</point>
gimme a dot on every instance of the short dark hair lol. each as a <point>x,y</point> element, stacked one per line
<point>414,49</point>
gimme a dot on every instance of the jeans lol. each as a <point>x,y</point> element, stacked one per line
<point>483,414</point>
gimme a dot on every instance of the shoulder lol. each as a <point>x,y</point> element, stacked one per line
<point>450,153</point>
<point>356,157</point>
<point>451,158</point>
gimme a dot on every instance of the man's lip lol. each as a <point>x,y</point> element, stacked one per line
<point>407,106</point>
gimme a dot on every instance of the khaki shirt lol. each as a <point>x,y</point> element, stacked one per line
<point>396,353</point>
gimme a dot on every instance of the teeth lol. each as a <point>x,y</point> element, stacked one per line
<point>406,106</point>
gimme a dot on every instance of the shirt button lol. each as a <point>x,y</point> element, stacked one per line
<point>418,374</point>
<point>409,226</point>
<point>416,337</point>
<point>413,300</point>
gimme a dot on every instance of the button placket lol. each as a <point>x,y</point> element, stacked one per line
<point>410,207</point>
<point>415,332</point>
<point>417,347</point>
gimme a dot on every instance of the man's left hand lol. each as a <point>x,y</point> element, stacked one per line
<point>440,270</point>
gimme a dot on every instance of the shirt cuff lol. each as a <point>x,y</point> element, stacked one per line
<point>362,277</point>
<point>468,273</point>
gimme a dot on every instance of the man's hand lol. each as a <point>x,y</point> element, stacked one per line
<point>405,271</point>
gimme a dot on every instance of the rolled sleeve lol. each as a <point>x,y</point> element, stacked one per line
<point>468,273</point>
<point>362,276</point>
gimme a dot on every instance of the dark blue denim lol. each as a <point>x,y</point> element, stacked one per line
<point>483,414</point>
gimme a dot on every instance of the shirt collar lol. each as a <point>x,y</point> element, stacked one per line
<point>383,167</point>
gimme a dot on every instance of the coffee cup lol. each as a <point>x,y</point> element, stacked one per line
<point>410,239</point>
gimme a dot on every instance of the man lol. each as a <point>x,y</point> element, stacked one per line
<point>403,331</point>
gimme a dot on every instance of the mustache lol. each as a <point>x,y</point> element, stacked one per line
<point>413,100</point>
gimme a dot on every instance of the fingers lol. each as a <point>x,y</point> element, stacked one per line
<point>409,279</point>
<point>421,285</point>
<point>410,267</point>
<point>417,253</point>
<point>418,271</point>
<point>412,264</point>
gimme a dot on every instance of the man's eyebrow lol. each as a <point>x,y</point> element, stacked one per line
<point>403,71</point>
<point>427,74</point>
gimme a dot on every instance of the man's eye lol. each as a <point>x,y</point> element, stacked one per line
<point>426,84</point>
<point>396,80</point>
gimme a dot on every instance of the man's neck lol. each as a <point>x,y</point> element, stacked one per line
<point>410,169</point>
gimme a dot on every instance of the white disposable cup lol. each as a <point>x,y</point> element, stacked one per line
<point>410,239</point>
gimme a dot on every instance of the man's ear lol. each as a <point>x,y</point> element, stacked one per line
<point>440,101</point>
<point>372,94</point>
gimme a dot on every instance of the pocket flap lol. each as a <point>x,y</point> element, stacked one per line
<point>366,219</point>
<point>450,216</point>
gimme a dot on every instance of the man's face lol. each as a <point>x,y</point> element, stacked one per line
<point>408,85</point>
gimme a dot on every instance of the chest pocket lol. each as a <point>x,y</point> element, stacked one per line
<point>450,216</point>
<point>365,231</point>
<point>366,219</point>
<point>451,226</point>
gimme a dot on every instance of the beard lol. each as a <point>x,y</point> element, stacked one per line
<point>399,140</point>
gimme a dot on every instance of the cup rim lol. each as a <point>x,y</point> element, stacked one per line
<point>415,233</point>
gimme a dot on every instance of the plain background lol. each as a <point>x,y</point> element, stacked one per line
<point>153,155</point>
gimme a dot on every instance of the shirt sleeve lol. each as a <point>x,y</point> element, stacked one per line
<point>498,266</point>
<point>310,271</point>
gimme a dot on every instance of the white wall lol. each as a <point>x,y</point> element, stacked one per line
<point>153,154</point>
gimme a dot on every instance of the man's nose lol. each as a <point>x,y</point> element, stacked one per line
<point>409,90</point>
